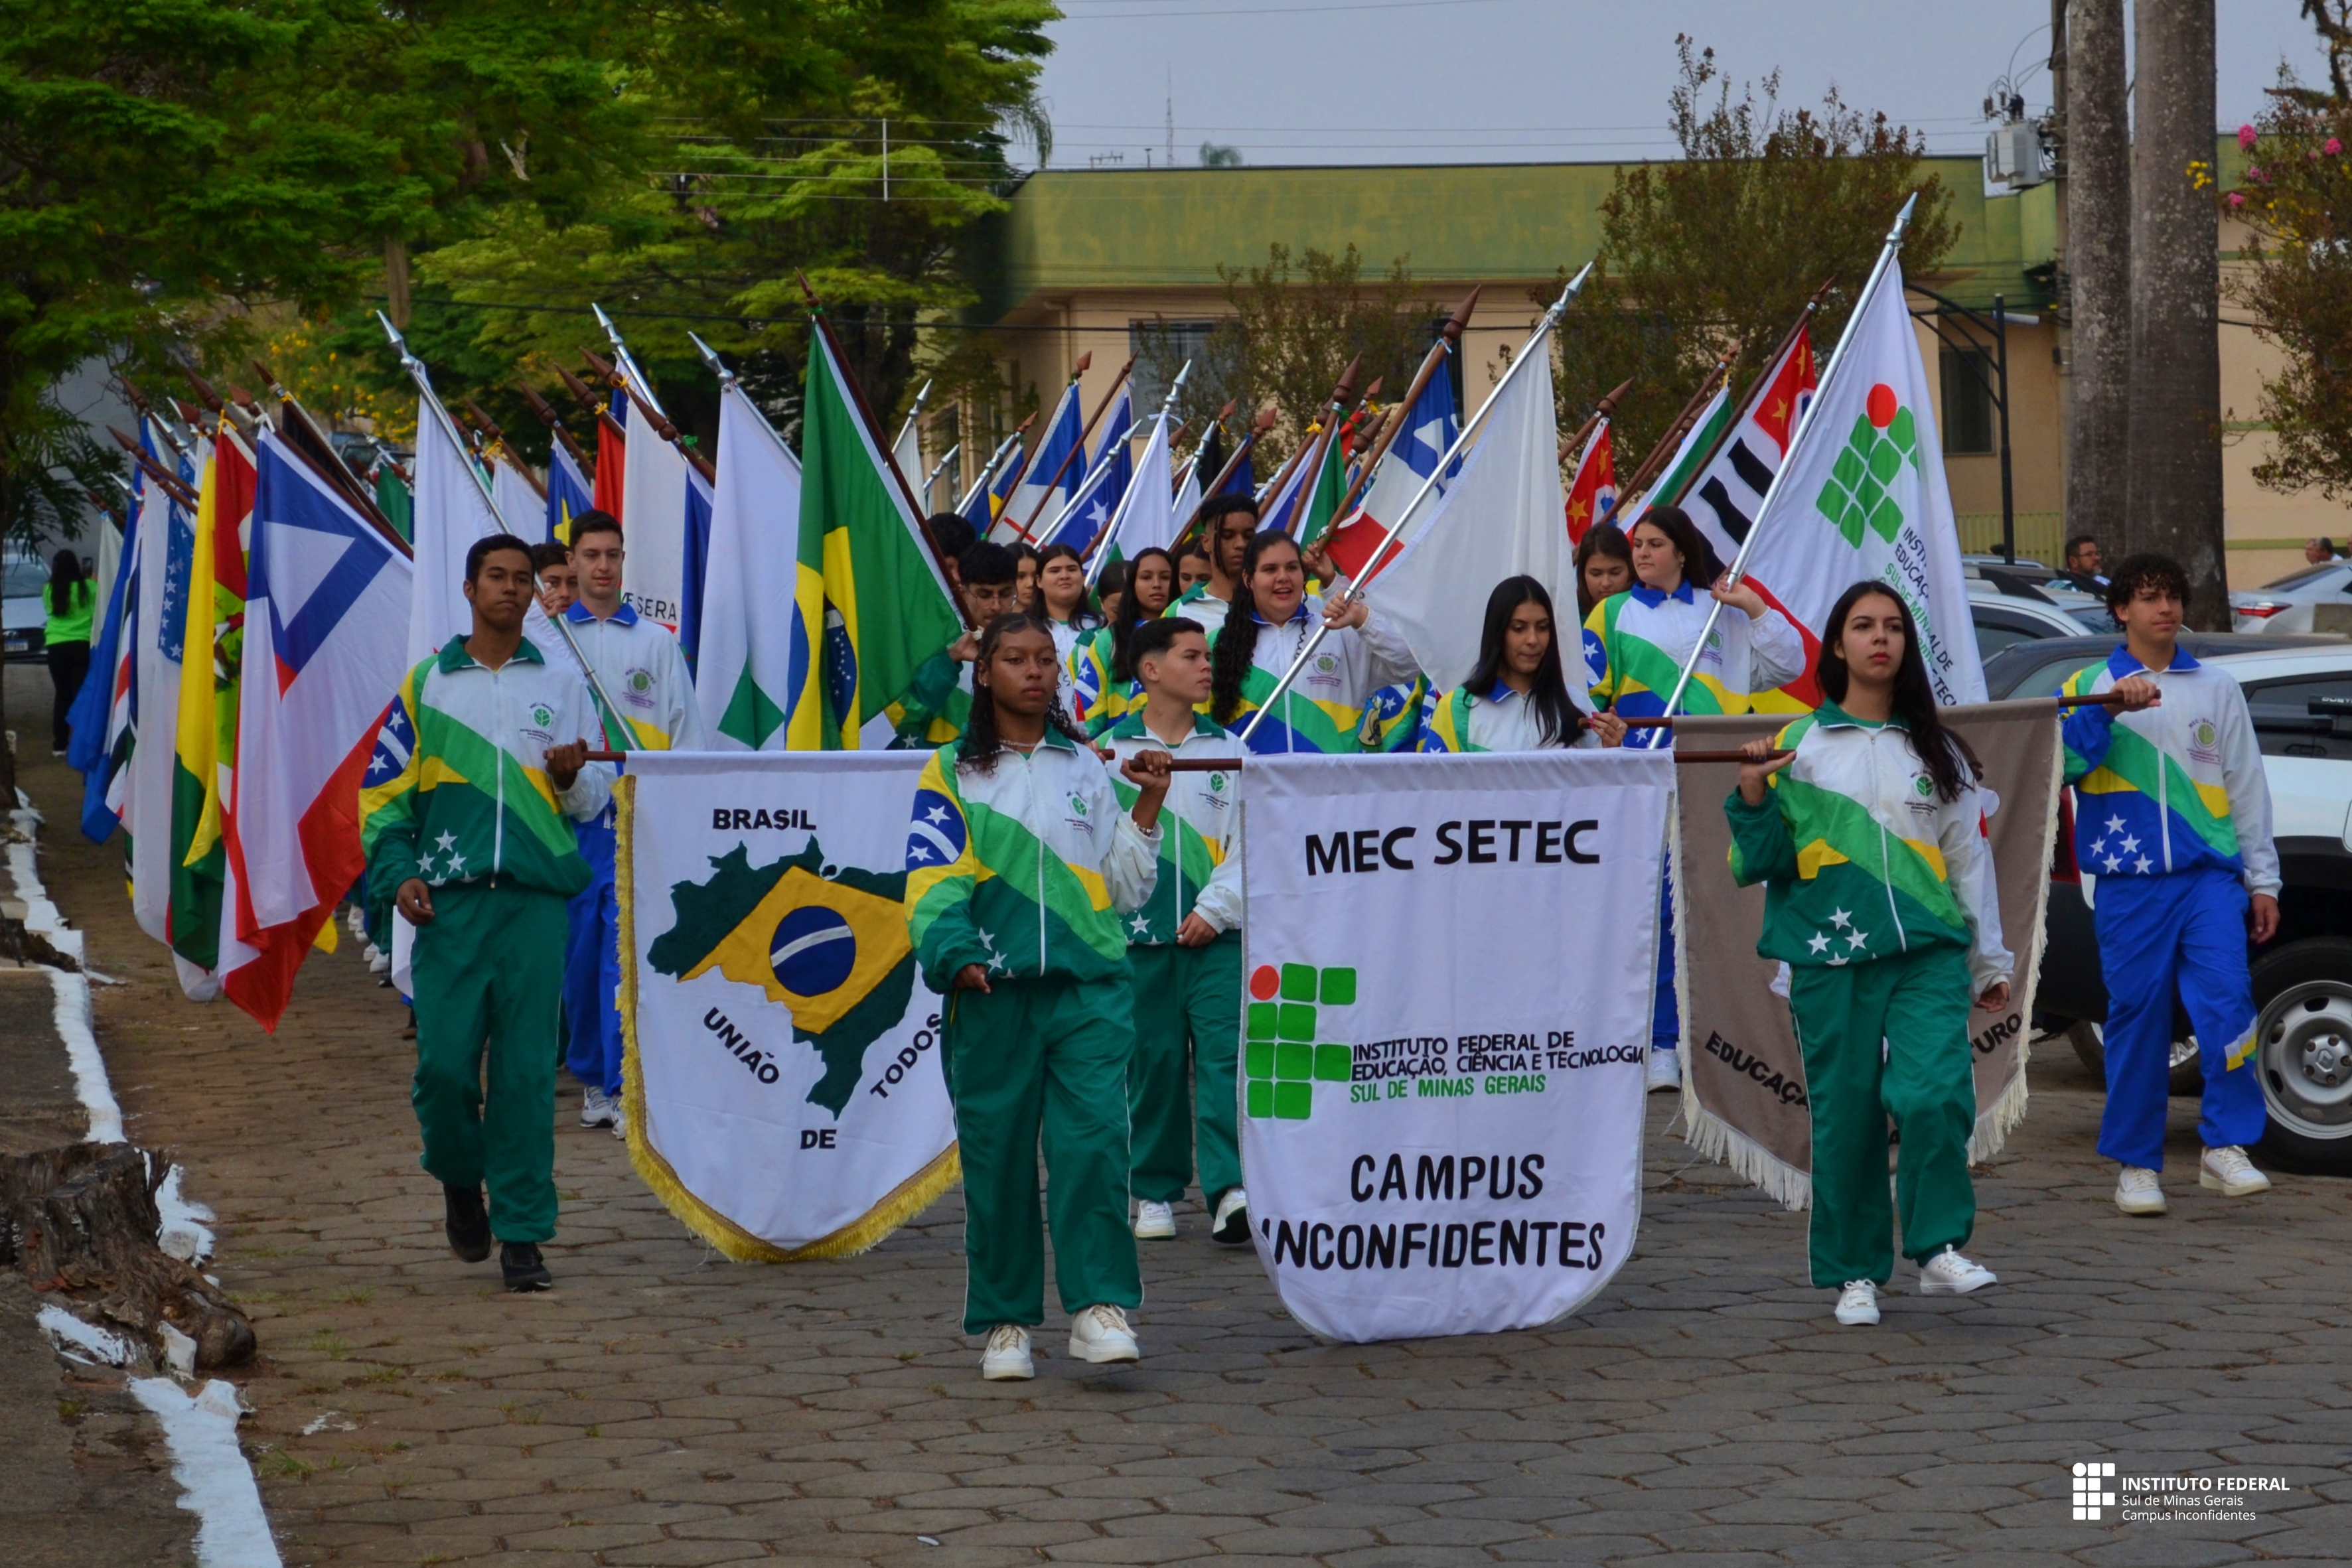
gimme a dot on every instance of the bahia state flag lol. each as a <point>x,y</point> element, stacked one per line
<point>568,493</point>
<point>755,664</point>
<point>203,751</point>
<point>1864,498</point>
<point>1047,483</point>
<point>326,621</point>
<point>1083,521</point>
<point>1430,429</point>
<point>868,588</point>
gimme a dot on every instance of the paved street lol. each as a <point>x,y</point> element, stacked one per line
<point>663,1406</point>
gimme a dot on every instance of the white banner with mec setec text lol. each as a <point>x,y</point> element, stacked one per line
<point>1447,994</point>
<point>784,1086</point>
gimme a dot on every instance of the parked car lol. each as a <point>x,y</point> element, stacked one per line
<point>2299,691</point>
<point>23,575</point>
<point>2292,603</point>
<point>2011,605</point>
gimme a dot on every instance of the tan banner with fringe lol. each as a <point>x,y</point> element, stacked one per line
<point>784,1088</point>
<point>1743,1078</point>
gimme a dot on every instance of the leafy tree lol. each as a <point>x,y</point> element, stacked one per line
<point>1296,323</point>
<point>1723,246</point>
<point>2295,198</point>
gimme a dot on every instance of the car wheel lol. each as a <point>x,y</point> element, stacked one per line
<point>2187,1071</point>
<point>2303,1054</point>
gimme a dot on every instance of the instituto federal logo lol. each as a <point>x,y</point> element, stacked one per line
<point>1281,1061</point>
<point>1855,497</point>
<point>541,715</point>
<point>2093,1480</point>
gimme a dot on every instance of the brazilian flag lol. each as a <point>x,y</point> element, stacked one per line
<point>829,943</point>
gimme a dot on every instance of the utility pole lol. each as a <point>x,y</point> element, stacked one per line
<point>2173,497</point>
<point>2095,195</point>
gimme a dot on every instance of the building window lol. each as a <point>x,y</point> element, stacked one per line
<point>1969,427</point>
<point>1160,349</point>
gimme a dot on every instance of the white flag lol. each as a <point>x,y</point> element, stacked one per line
<point>1865,498</point>
<point>1147,513</point>
<point>1504,515</point>
<point>652,514</point>
<point>524,507</point>
<point>451,513</point>
<point>744,682</point>
<point>165,544</point>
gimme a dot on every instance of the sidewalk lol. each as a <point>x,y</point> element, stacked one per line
<point>662,1405</point>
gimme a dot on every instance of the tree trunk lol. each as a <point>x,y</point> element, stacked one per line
<point>2096,162</point>
<point>2174,497</point>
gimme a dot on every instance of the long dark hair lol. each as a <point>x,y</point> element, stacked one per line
<point>1555,712</point>
<point>1701,566</point>
<point>981,744</point>
<point>66,580</point>
<point>1084,618</point>
<point>1132,615</point>
<point>1236,651</point>
<point>1940,751</point>
<point>1601,539</point>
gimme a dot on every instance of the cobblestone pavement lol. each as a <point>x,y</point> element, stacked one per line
<point>662,1405</point>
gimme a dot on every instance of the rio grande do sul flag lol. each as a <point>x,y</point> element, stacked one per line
<point>1441,1123</point>
<point>1865,496</point>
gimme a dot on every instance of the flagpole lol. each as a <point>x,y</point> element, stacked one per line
<point>1754,393</point>
<point>1073,454</point>
<point>1021,470</point>
<point>554,422</point>
<point>988,472</point>
<point>1258,426</point>
<point>914,413</point>
<point>1395,531</point>
<point>504,453</point>
<point>933,477</point>
<point>423,379</point>
<point>1099,550</point>
<point>1887,253</point>
<point>1448,337</point>
<point>641,386</point>
<point>1662,451</point>
<point>1342,396</point>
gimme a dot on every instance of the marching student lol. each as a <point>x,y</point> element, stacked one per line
<point>1061,597</point>
<point>638,665</point>
<point>1636,643</point>
<point>1102,668</point>
<point>559,579</point>
<point>939,699</point>
<point>1021,866</point>
<point>1271,620</point>
<point>1185,946</point>
<point>2172,814</point>
<point>1193,567</point>
<point>1517,698</point>
<point>1604,565</point>
<point>464,818</point>
<point>1869,838</point>
<point>1222,527</point>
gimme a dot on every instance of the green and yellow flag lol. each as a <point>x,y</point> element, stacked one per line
<point>205,744</point>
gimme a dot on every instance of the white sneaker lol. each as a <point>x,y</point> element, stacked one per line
<point>1006,1359</point>
<point>1665,1070</point>
<point>1949,1274</point>
<point>1858,1304</point>
<point>620,1119</point>
<point>2138,1192</point>
<point>1232,1226</point>
<point>1154,1221</point>
<point>598,1109</point>
<point>1100,1334</point>
<point>379,962</point>
<point>2228,1172</point>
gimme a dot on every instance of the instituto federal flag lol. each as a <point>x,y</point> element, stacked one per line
<point>1441,1122</point>
<point>758,656</point>
<point>785,1094</point>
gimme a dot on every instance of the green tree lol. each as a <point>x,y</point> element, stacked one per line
<point>1723,247</point>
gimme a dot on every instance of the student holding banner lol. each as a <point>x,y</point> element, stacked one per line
<point>2173,815</point>
<point>1185,946</point>
<point>1271,620</point>
<point>1868,836</point>
<point>1518,698</point>
<point>939,701</point>
<point>1635,645</point>
<point>1102,668</point>
<point>1021,866</point>
<point>640,667</point>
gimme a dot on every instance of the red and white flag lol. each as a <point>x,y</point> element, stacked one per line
<point>1593,495</point>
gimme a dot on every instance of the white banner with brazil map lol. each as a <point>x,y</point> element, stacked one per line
<point>783,1086</point>
<point>1448,989</point>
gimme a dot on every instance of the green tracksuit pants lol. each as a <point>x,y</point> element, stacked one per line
<point>1045,1055</point>
<point>1188,1014</point>
<point>1918,1003</point>
<point>489,978</point>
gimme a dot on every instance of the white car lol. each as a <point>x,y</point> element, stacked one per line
<point>23,575</point>
<point>2292,602</point>
<point>2008,607</point>
<point>2300,701</point>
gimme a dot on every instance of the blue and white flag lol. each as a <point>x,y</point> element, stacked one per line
<point>568,493</point>
<point>1105,485</point>
<point>1063,439</point>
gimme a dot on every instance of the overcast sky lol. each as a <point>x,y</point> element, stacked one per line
<point>1317,81</point>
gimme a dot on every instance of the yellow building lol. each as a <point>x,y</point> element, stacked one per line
<point>1084,259</point>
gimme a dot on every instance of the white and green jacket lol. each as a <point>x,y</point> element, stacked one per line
<point>642,670</point>
<point>1199,832</point>
<point>1026,870</point>
<point>1322,713</point>
<point>455,792</point>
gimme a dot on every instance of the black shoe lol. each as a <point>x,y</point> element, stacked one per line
<point>520,1263</point>
<point>1235,1231</point>
<point>469,1223</point>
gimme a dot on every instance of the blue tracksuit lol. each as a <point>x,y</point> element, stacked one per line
<point>2172,816</point>
<point>591,966</point>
